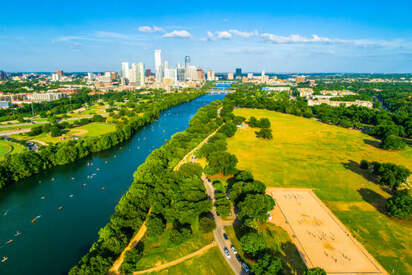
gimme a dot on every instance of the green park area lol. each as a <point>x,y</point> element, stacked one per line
<point>7,147</point>
<point>89,130</point>
<point>309,154</point>
<point>211,262</point>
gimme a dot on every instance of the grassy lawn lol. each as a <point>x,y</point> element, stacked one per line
<point>307,153</point>
<point>210,263</point>
<point>93,129</point>
<point>158,251</point>
<point>7,147</point>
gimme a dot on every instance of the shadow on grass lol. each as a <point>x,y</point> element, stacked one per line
<point>374,143</point>
<point>355,167</point>
<point>293,262</point>
<point>373,198</point>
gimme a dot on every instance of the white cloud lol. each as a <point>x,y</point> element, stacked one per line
<point>103,34</point>
<point>295,38</point>
<point>178,34</point>
<point>224,35</point>
<point>244,34</point>
<point>150,29</point>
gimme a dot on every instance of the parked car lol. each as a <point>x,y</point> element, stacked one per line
<point>226,252</point>
<point>238,257</point>
<point>225,236</point>
<point>245,267</point>
<point>233,249</point>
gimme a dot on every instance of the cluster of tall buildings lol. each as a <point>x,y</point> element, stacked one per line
<point>176,76</point>
<point>134,75</point>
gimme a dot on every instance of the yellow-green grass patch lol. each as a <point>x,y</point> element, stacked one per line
<point>158,251</point>
<point>209,263</point>
<point>309,154</point>
<point>8,147</point>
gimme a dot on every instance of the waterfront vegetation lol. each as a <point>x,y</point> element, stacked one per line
<point>176,199</point>
<point>309,154</point>
<point>25,164</point>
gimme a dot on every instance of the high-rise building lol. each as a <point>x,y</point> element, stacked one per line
<point>158,64</point>
<point>59,72</point>
<point>230,76</point>
<point>3,75</point>
<point>140,74</point>
<point>148,72</point>
<point>133,73</point>
<point>125,70</point>
<point>170,74</point>
<point>238,72</point>
<point>180,73</point>
<point>250,75</point>
<point>187,66</point>
<point>200,74</point>
<point>210,75</point>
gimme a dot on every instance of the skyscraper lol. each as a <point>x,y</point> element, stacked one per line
<point>158,64</point>
<point>125,70</point>
<point>140,74</point>
<point>238,72</point>
<point>187,66</point>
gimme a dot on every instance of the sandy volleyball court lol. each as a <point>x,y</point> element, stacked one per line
<point>322,240</point>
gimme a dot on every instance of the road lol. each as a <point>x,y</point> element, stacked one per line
<point>12,132</point>
<point>218,232</point>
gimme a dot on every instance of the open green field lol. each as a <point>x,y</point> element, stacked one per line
<point>158,251</point>
<point>7,147</point>
<point>210,263</point>
<point>93,129</point>
<point>307,153</point>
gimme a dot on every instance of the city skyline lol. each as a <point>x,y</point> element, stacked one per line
<point>306,37</point>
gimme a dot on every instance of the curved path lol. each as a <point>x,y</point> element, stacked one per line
<point>139,235</point>
<point>178,261</point>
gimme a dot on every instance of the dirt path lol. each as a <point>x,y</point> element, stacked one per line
<point>39,142</point>
<point>116,265</point>
<point>178,261</point>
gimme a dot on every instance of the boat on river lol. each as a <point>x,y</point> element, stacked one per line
<point>8,242</point>
<point>4,259</point>
<point>35,219</point>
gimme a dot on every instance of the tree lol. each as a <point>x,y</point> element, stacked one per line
<point>221,162</point>
<point>264,133</point>
<point>223,207</point>
<point>400,205</point>
<point>268,264</point>
<point>255,207</point>
<point>392,142</point>
<point>315,271</point>
<point>253,122</point>
<point>253,244</point>
<point>264,123</point>
<point>229,129</point>
<point>364,164</point>
<point>244,176</point>
<point>207,224</point>
<point>155,226</point>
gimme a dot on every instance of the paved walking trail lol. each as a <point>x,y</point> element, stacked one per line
<point>178,261</point>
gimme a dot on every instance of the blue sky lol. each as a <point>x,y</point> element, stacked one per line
<point>275,36</point>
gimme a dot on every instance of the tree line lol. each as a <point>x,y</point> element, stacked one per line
<point>392,176</point>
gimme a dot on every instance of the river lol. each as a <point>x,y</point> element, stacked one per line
<point>70,203</point>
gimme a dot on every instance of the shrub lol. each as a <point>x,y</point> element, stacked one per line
<point>207,224</point>
<point>364,164</point>
<point>264,133</point>
<point>400,205</point>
